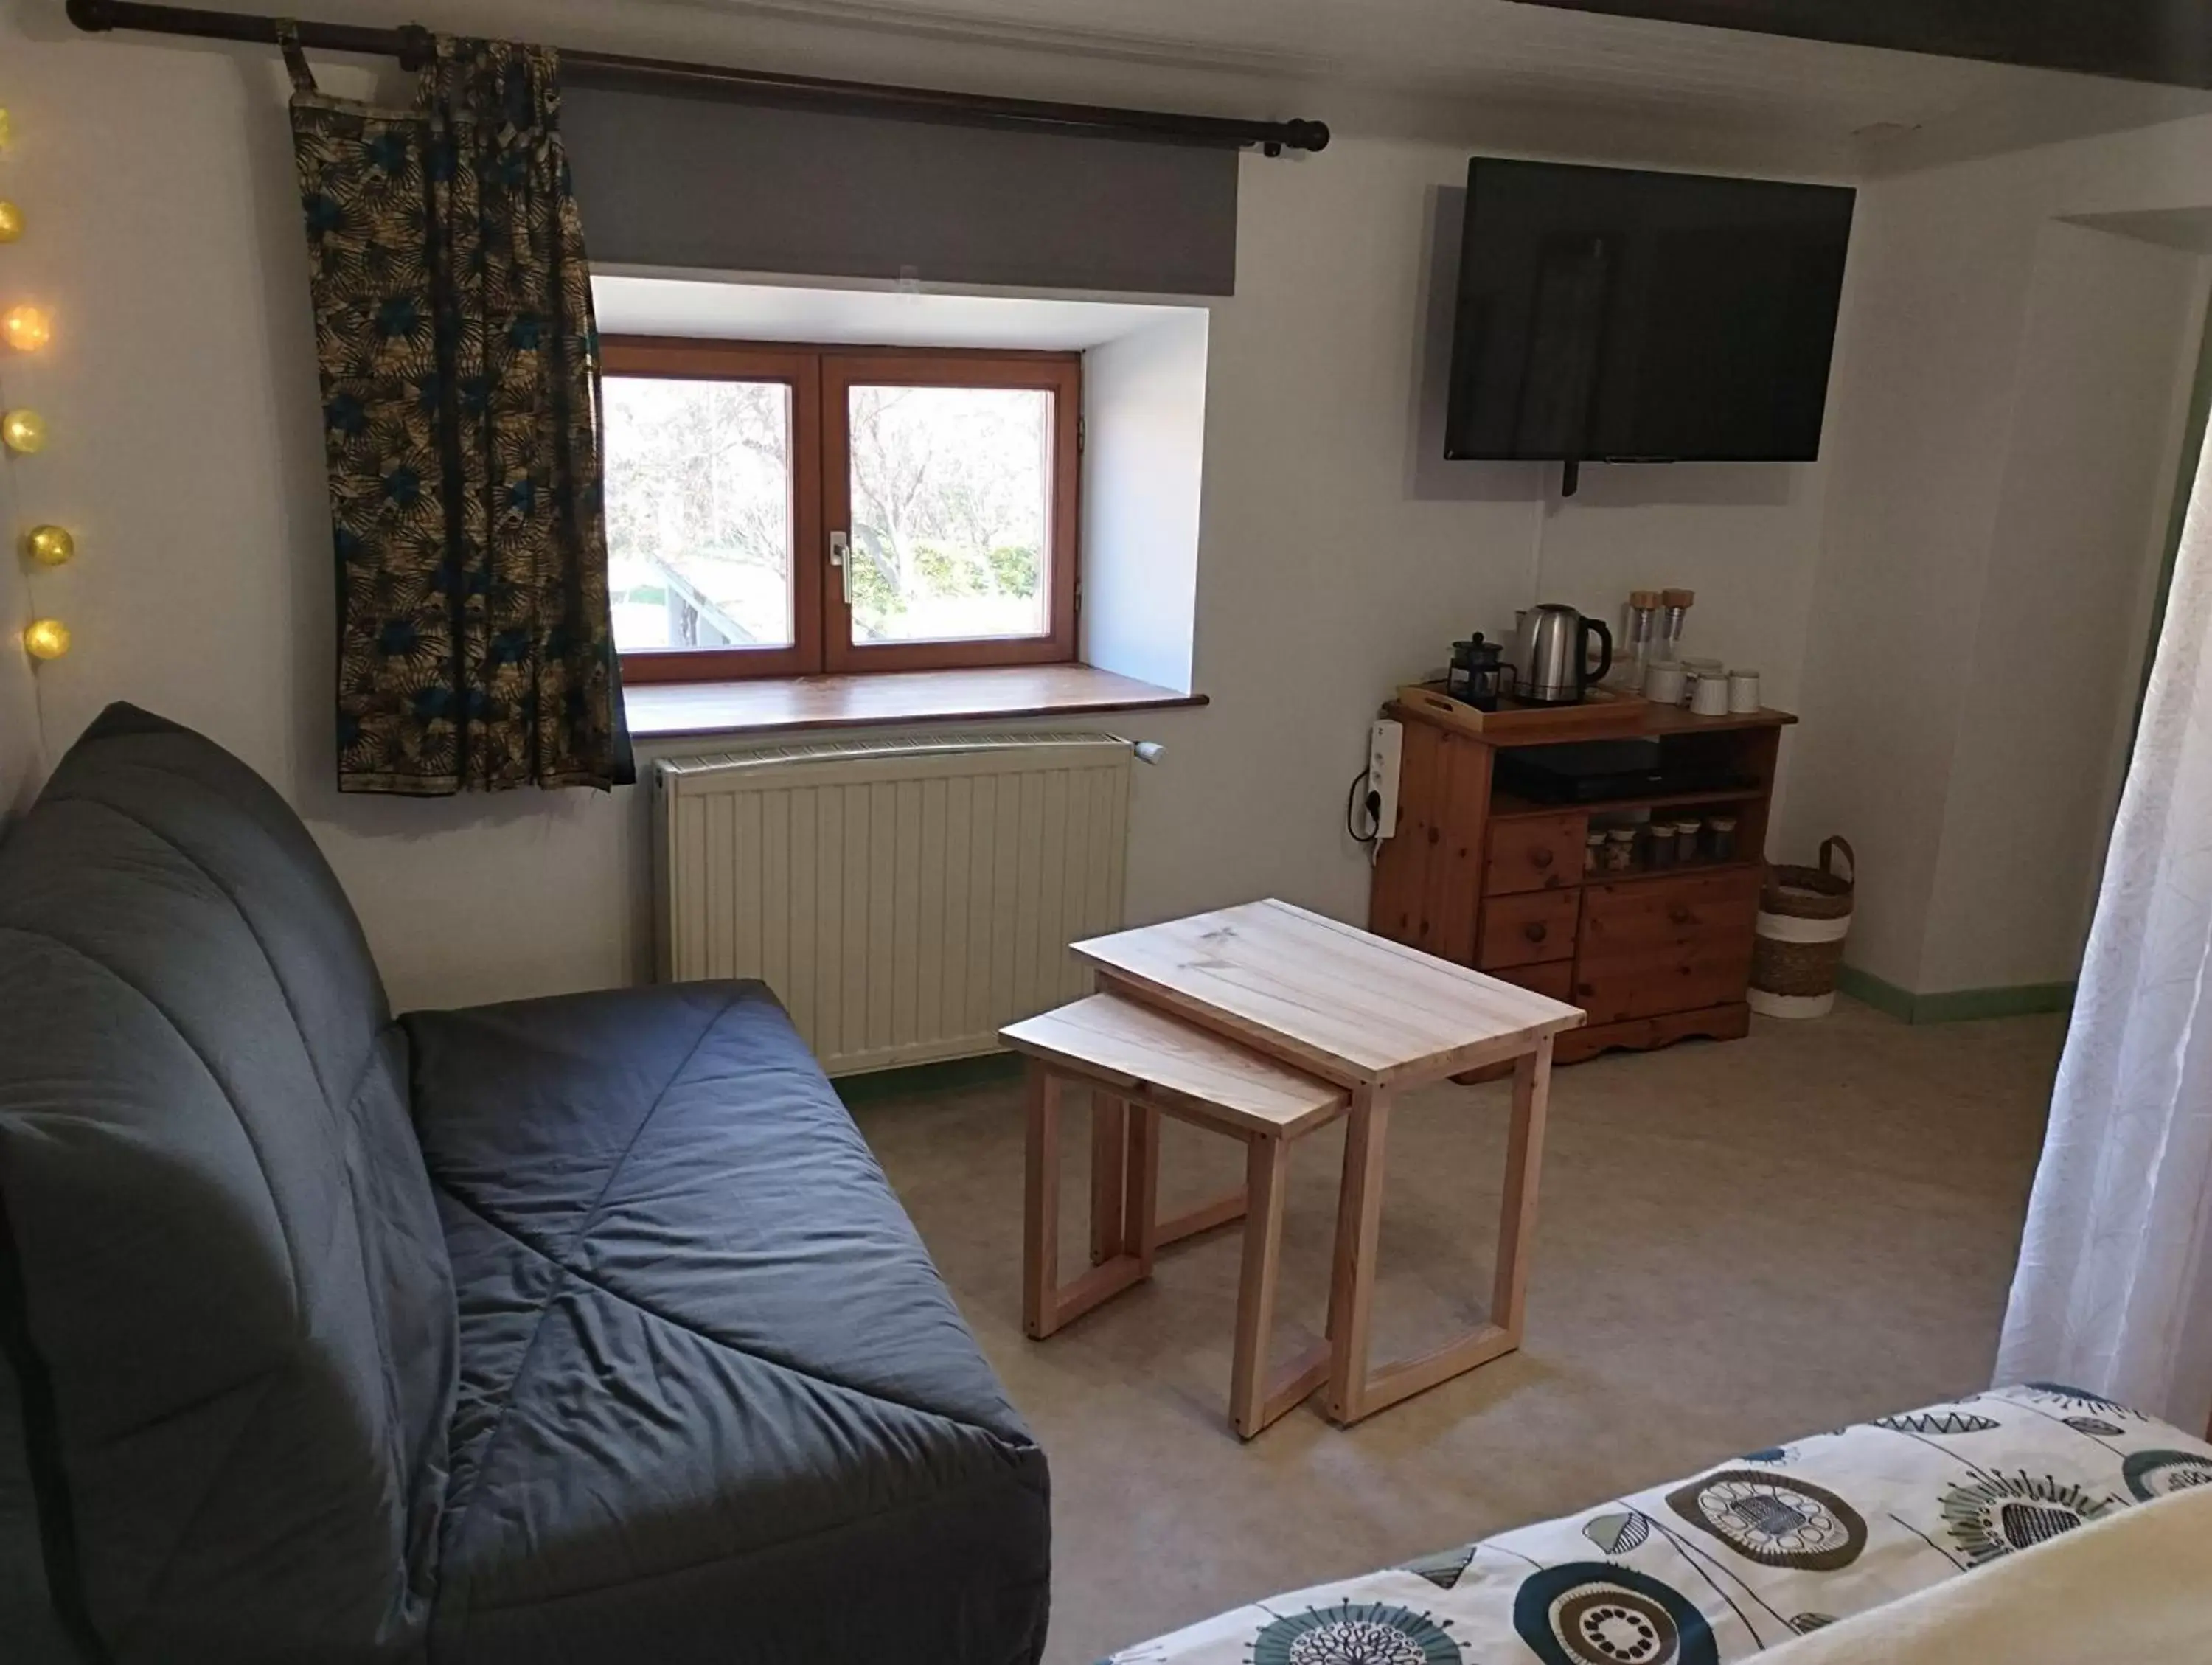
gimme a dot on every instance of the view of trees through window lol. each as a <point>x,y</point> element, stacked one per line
<point>698,502</point>
<point>951,500</point>
<point>950,492</point>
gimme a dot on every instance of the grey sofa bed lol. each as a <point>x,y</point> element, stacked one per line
<point>575,1329</point>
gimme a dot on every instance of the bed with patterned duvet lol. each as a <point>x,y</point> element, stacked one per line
<point>1752,1553</point>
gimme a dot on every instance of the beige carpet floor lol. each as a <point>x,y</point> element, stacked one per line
<point>1737,1244</point>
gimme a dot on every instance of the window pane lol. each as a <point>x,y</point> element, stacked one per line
<point>952,498</point>
<point>698,512</point>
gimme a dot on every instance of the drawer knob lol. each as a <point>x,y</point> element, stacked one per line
<point>1534,931</point>
<point>1680,915</point>
<point>1541,857</point>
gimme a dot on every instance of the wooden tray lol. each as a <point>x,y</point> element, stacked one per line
<point>1602,714</point>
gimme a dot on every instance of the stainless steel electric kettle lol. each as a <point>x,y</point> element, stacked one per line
<point>1555,667</point>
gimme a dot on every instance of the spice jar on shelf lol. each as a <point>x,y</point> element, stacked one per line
<point>1621,850</point>
<point>1664,844</point>
<point>1594,851</point>
<point>1686,831</point>
<point>1640,629</point>
<point>1666,634</point>
<point>1720,837</point>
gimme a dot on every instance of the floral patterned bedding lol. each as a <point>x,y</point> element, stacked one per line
<point>1745,1555</point>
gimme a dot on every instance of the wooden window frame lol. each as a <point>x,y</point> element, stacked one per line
<point>821,378</point>
<point>733,361</point>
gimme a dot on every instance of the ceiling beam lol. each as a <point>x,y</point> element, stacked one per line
<point>2168,41</point>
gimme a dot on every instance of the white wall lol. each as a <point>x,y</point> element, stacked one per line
<point>2066,605</point>
<point>1144,400</point>
<point>1336,560</point>
<point>1914,462</point>
<point>1999,468</point>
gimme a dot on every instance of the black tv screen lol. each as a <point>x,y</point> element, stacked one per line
<point>1607,314</point>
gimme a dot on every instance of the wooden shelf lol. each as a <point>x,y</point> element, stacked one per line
<point>1664,720</point>
<point>1679,870</point>
<point>1509,806</point>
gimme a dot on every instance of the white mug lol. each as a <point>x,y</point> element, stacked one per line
<point>1711,697</point>
<point>1697,670</point>
<point>1743,691</point>
<point>1663,682</point>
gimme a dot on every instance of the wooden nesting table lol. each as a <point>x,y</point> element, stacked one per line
<point>1374,1018</point>
<point>1139,1063</point>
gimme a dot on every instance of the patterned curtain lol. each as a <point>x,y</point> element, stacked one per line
<point>460,387</point>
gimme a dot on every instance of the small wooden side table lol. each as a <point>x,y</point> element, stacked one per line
<point>1140,1063</point>
<point>1375,1018</point>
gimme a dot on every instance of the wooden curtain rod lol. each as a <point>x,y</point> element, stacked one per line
<point>411,44</point>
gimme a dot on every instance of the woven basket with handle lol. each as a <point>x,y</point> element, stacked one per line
<point>1804,915</point>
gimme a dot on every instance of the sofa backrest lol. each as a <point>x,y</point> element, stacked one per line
<point>224,1294</point>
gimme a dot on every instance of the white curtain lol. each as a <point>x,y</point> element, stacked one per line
<point>2113,1292</point>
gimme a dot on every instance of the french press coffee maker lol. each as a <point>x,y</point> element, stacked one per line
<point>1477,678</point>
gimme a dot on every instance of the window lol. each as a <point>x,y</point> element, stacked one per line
<point>777,511</point>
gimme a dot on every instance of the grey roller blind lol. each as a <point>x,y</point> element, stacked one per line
<point>667,179</point>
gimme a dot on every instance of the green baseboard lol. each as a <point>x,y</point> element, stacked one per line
<point>1953,1006</point>
<point>952,1075</point>
<point>1870,990</point>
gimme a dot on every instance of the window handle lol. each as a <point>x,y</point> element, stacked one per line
<point>841,557</point>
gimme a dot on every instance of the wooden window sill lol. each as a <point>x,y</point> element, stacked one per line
<point>782,705</point>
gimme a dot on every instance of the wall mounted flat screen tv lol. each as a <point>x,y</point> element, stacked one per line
<point>1611,315</point>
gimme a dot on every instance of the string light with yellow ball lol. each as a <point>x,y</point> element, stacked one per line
<point>23,431</point>
<point>27,328</point>
<point>49,545</point>
<point>46,639</point>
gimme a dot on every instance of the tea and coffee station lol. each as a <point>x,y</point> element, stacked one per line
<point>1584,817</point>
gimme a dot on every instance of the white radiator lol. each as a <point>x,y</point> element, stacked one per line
<point>903,898</point>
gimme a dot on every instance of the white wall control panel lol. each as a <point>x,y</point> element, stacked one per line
<point>1385,739</point>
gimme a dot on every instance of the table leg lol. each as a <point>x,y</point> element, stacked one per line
<point>1358,1236</point>
<point>1353,1392</point>
<point>1108,1117</point>
<point>1267,1167</point>
<point>1041,1205</point>
<point>1140,1223</point>
<point>1047,1305</point>
<point>1524,1161</point>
